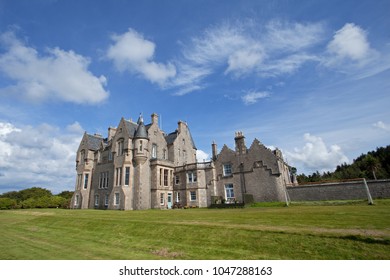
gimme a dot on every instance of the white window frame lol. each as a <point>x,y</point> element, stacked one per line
<point>229,191</point>
<point>76,200</point>
<point>227,170</point>
<point>116,198</point>
<point>177,198</point>
<point>86,181</point>
<point>106,199</point>
<point>154,150</point>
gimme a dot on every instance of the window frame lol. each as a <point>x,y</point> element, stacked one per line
<point>193,196</point>
<point>229,191</point>
<point>116,199</point>
<point>227,167</point>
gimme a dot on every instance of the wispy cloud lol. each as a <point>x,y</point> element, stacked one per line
<point>55,74</point>
<point>253,97</point>
<point>382,125</point>
<point>132,52</point>
<point>241,48</point>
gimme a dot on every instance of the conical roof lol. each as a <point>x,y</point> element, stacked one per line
<point>141,132</point>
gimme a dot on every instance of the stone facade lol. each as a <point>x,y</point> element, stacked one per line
<point>139,167</point>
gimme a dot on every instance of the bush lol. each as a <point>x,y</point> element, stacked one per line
<point>7,203</point>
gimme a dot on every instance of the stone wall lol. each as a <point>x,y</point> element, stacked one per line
<point>340,191</point>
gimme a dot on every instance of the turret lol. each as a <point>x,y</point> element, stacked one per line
<point>141,141</point>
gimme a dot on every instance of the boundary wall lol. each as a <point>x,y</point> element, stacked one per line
<point>348,190</point>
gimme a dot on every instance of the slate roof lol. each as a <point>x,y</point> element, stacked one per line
<point>131,128</point>
<point>94,142</point>
<point>171,137</point>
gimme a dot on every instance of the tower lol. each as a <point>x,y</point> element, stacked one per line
<point>141,188</point>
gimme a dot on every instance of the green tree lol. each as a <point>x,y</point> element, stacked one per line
<point>372,164</point>
<point>7,203</point>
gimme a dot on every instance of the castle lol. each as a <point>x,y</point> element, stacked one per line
<point>139,166</point>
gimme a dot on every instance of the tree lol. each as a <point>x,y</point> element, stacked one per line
<point>372,164</point>
<point>7,203</point>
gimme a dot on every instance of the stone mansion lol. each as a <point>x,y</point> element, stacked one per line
<point>139,166</point>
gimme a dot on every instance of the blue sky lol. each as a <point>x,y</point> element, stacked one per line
<point>309,77</point>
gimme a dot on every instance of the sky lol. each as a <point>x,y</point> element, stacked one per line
<point>309,77</point>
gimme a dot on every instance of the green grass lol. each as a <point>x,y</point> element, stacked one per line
<point>301,231</point>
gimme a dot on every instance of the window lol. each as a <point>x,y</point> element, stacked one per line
<point>192,195</point>
<point>154,151</point>
<point>79,178</point>
<point>106,184</point>
<point>101,180</point>
<point>96,200</point>
<point>106,198</point>
<point>110,155</point>
<point>140,146</point>
<point>165,177</point>
<point>86,180</point>
<point>227,169</point>
<point>177,180</point>
<point>229,191</point>
<point>161,198</point>
<point>76,200</point>
<point>119,176</point>
<point>120,147</point>
<point>191,177</point>
<point>177,197</point>
<point>164,154</point>
<point>116,198</point>
<point>127,176</point>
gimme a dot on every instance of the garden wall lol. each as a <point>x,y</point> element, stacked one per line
<point>340,191</point>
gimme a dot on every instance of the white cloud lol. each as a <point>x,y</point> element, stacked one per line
<point>382,125</point>
<point>349,44</point>
<point>316,155</point>
<point>202,156</point>
<point>292,36</point>
<point>56,74</point>
<point>245,60</point>
<point>132,52</point>
<point>253,96</point>
<point>243,48</point>
<point>42,156</point>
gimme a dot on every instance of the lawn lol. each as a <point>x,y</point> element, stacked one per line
<point>301,231</point>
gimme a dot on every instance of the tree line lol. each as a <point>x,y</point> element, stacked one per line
<point>373,166</point>
<point>34,197</point>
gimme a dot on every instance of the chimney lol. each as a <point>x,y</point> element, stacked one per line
<point>111,132</point>
<point>240,143</point>
<point>181,125</point>
<point>214,150</point>
<point>155,119</point>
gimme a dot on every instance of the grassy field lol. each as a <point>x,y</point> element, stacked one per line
<point>301,231</point>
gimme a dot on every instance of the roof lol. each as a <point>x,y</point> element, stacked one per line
<point>141,132</point>
<point>94,142</point>
<point>171,137</point>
